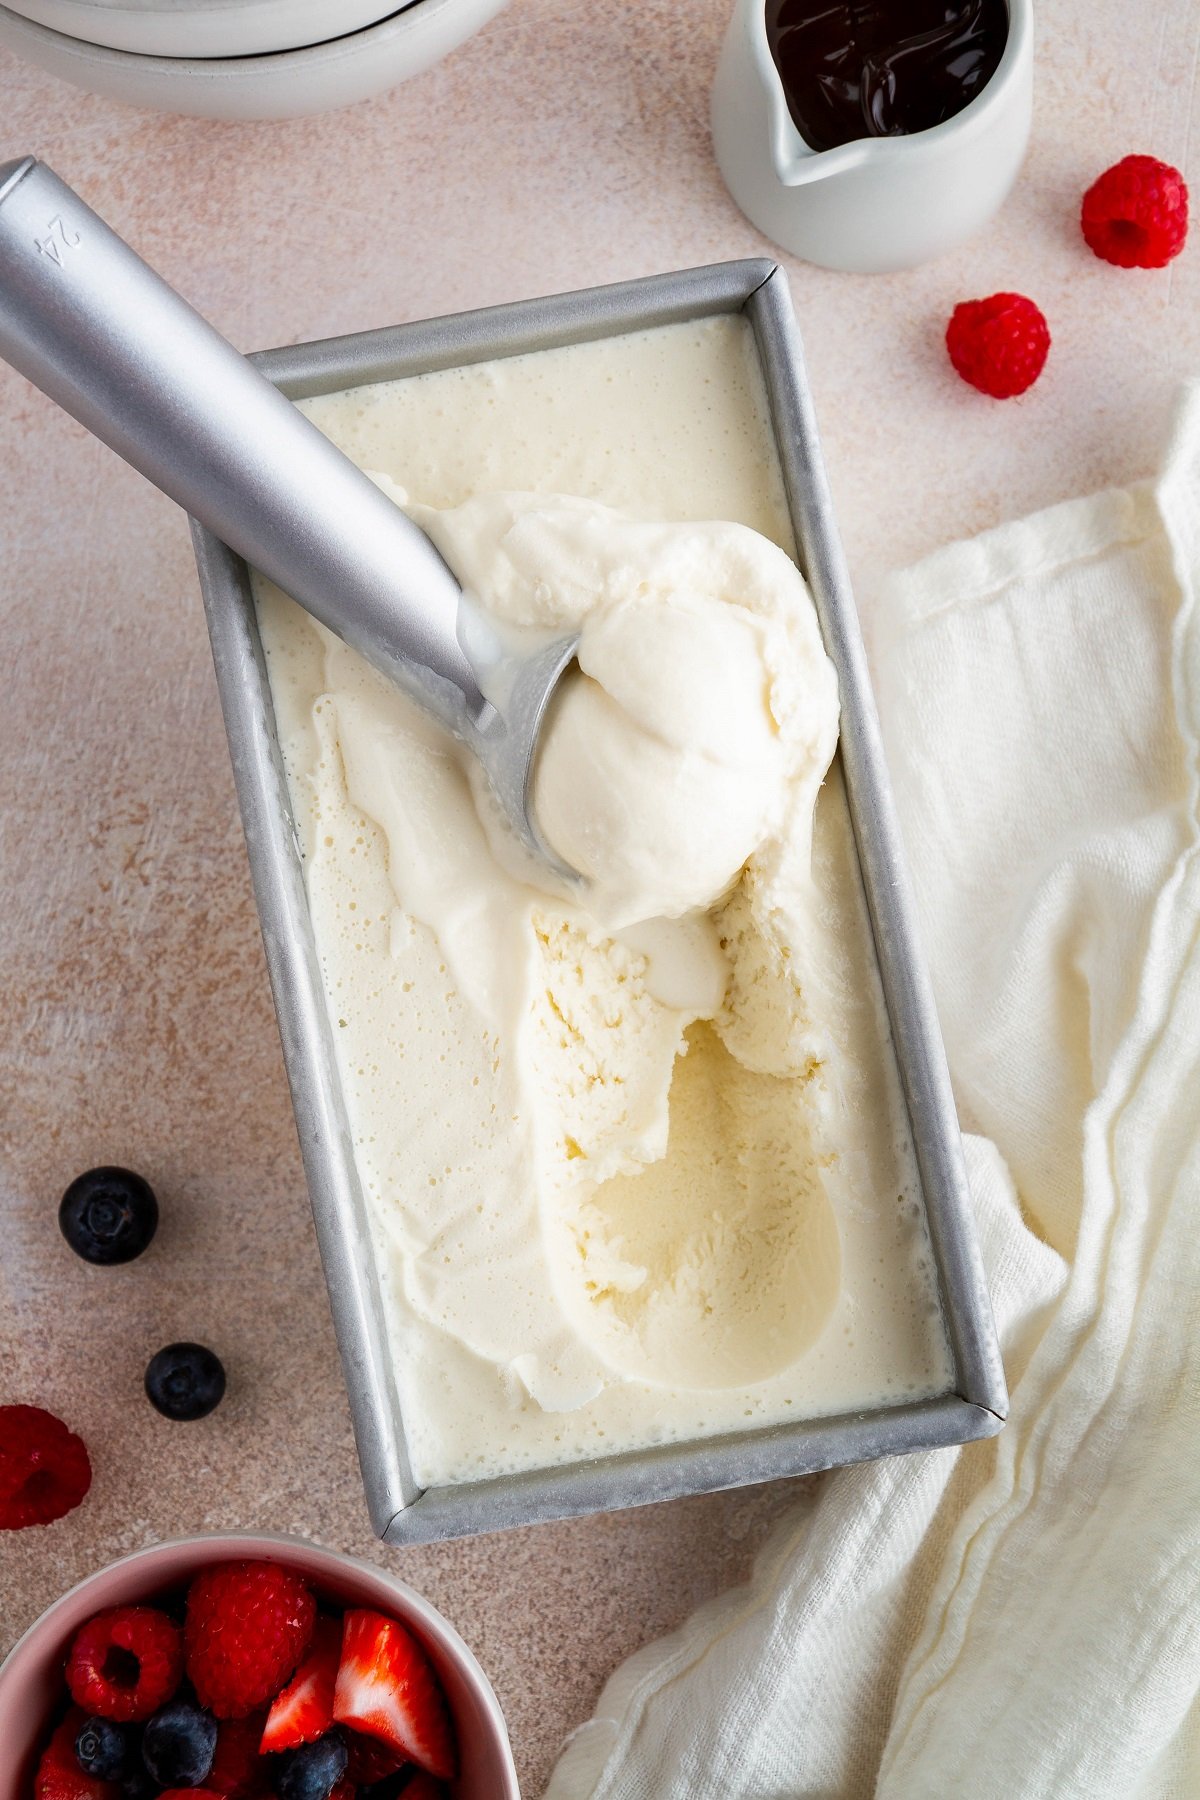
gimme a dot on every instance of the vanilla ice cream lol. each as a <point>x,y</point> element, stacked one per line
<point>703,710</point>
<point>636,1159</point>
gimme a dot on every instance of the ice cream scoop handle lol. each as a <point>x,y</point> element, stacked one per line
<point>85,319</point>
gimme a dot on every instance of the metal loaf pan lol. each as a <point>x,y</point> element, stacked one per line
<point>401,1511</point>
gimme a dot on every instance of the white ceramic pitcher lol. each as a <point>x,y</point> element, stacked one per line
<point>877,203</point>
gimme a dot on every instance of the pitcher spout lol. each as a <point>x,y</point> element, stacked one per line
<point>797,163</point>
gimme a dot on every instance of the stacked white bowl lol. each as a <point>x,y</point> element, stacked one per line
<point>239,59</point>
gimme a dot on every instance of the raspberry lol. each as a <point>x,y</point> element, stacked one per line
<point>59,1776</point>
<point>44,1468</point>
<point>248,1624</point>
<point>999,344</point>
<point>1136,214</point>
<point>126,1663</point>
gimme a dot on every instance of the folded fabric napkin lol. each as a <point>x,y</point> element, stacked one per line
<point>1021,1617</point>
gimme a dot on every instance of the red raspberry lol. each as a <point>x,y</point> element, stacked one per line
<point>59,1776</point>
<point>1136,214</point>
<point>248,1624</point>
<point>999,344</point>
<point>44,1468</point>
<point>238,1771</point>
<point>126,1663</point>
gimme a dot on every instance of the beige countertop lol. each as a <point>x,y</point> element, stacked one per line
<point>566,145</point>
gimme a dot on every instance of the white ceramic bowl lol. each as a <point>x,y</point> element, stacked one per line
<point>31,1676</point>
<point>877,203</point>
<point>315,79</point>
<point>205,27</point>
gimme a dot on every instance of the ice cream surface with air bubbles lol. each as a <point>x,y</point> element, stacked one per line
<point>636,1160</point>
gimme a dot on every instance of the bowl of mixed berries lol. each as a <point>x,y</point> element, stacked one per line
<point>241,1668</point>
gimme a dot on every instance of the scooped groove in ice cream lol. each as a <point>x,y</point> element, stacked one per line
<point>699,729</point>
<point>703,713</point>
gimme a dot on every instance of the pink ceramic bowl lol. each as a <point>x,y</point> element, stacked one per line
<point>31,1677</point>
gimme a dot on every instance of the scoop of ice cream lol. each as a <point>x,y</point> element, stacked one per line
<point>703,710</point>
<point>662,768</point>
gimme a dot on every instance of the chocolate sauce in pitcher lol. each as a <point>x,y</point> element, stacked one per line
<point>882,68</point>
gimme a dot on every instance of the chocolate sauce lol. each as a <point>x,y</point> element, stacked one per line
<point>882,68</point>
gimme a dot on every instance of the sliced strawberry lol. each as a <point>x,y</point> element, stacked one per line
<point>370,1760</point>
<point>303,1712</point>
<point>59,1776</point>
<point>386,1688</point>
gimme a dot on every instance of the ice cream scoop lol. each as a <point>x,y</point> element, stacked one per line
<point>703,708</point>
<point>664,769</point>
<point>91,325</point>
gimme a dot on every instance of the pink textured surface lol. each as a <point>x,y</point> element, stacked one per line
<point>566,145</point>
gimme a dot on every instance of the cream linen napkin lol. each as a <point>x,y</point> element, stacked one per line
<point>1018,1618</point>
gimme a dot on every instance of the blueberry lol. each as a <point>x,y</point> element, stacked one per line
<point>179,1744</point>
<point>314,1770</point>
<point>108,1215</point>
<point>141,1785</point>
<point>185,1381</point>
<point>104,1749</point>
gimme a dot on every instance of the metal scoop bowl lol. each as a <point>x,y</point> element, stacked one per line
<point>85,319</point>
